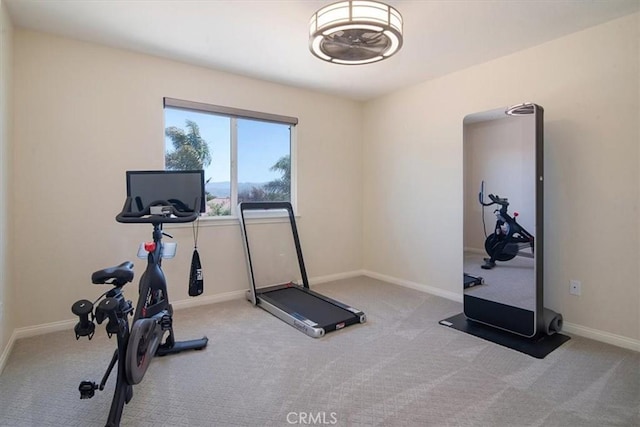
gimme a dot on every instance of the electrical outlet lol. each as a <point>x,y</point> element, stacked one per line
<point>575,287</point>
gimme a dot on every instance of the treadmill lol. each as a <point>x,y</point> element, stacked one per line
<point>306,310</point>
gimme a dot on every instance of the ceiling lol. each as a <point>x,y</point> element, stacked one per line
<point>268,39</point>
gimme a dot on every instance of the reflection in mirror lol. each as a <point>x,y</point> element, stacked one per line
<point>502,199</point>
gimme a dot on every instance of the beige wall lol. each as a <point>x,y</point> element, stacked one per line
<point>84,114</point>
<point>6,292</point>
<point>588,84</point>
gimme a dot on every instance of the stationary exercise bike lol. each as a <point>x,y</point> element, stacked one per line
<point>139,341</point>
<point>509,239</point>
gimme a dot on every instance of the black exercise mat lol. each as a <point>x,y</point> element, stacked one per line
<point>538,347</point>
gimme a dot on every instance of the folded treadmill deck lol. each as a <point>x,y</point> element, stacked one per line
<point>310,312</point>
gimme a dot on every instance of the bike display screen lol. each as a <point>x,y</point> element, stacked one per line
<point>180,188</point>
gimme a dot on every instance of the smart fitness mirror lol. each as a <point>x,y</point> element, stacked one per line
<point>503,224</point>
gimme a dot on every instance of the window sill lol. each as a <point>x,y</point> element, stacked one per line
<point>223,221</point>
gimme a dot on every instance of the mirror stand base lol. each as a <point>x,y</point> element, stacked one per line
<point>539,346</point>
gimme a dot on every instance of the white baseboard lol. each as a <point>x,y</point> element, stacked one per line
<point>335,277</point>
<point>475,250</point>
<point>64,325</point>
<point>228,296</point>
<point>453,296</point>
<point>47,328</point>
<point>207,299</point>
<point>602,336</point>
<point>7,351</point>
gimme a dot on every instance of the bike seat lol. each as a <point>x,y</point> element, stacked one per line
<point>118,275</point>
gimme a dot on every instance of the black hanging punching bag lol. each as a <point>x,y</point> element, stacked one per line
<point>196,280</point>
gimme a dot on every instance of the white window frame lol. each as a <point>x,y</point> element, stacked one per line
<point>233,114</point>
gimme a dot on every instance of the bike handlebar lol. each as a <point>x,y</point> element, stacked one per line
<point>495,200</point>
<point>169,213</point>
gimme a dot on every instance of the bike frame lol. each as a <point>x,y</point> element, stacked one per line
<point>156,290</point>
<point>153,297</point>
<point>152,303</point>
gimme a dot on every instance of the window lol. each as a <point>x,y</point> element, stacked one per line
<point>246,155</point>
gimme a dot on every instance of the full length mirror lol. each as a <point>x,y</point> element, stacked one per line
<point>503,218</point>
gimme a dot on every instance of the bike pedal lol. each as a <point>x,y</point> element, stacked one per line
<point>87,389</point>
<point>166,322</point>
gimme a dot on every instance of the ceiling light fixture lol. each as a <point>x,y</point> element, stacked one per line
<point>355,32</point>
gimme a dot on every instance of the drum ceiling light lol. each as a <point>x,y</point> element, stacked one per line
<point>355,32</point>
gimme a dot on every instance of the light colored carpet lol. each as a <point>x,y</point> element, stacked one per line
<point>401,368</point>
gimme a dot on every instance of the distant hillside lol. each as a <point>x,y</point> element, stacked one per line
<point>222,189</point>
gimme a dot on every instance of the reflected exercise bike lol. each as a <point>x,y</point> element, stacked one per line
<point>509,239</point>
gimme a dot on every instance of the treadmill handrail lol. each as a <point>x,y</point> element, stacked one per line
<point>255,206</point>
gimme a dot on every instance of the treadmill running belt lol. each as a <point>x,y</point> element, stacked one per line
<point>313,308</point>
